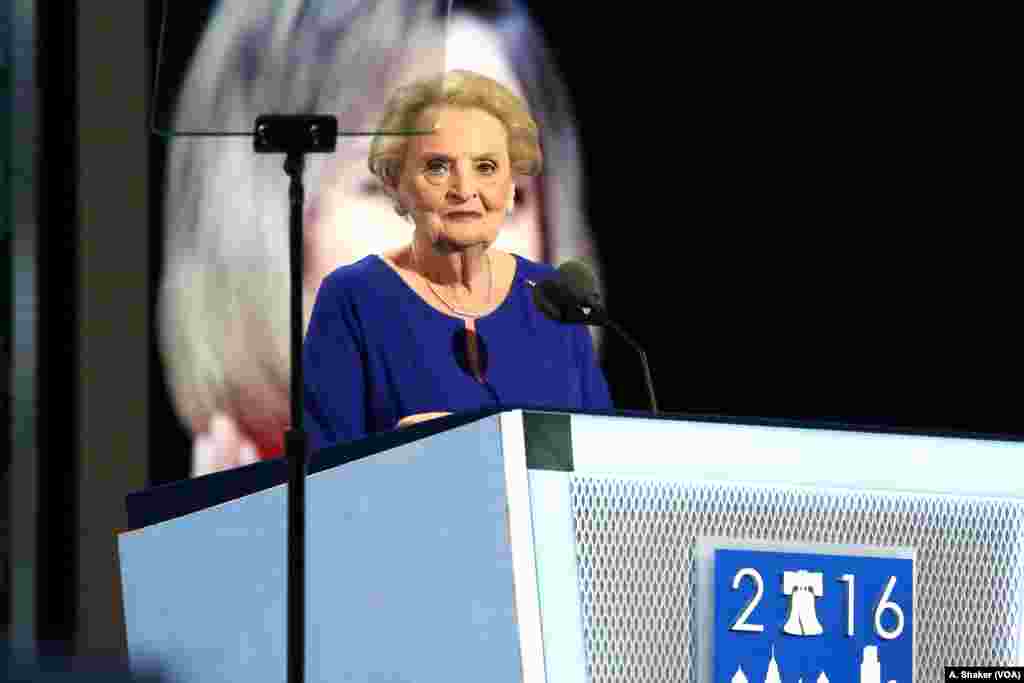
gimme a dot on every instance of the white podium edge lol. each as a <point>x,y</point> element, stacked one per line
<point>520,531</point>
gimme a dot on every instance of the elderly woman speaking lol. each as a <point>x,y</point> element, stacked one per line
<point>447,323</point>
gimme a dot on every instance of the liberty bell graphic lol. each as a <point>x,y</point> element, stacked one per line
<point>803,587</point>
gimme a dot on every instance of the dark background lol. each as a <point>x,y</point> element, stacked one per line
<point>794,212</point>
<point>798,214</point>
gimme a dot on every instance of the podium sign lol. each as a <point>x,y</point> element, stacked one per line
<point>815,617</point>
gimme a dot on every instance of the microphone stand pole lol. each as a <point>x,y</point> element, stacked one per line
<point>295,136</point>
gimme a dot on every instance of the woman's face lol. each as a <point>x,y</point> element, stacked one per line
<point>353,216</point>
<point>457,182</point>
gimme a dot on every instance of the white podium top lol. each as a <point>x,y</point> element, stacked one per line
<point>833,458</point>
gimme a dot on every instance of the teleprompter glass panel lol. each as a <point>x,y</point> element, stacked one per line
<point>220,65</point>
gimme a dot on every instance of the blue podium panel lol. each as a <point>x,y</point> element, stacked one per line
<point>787,616</point>
<point>409,572</point>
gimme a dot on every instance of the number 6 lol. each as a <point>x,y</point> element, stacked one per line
<point>883,605</point>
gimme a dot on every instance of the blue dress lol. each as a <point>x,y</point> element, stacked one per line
<point>375,352</point>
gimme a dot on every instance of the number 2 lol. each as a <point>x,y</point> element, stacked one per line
<point>741,621</point>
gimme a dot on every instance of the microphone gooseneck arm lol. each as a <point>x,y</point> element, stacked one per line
<point>585,297</point>
<point>643,361</point>
<point>572,298</point>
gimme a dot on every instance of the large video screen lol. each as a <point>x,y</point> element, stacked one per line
<point>767,198</point>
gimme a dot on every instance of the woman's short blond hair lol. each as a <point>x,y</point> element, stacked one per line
<point>464,89</point>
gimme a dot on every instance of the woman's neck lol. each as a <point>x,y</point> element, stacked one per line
<point>467,272</point>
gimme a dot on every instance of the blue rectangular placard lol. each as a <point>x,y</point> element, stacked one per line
<point>785,617</point>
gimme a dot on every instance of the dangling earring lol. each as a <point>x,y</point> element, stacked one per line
<point>510,208</point>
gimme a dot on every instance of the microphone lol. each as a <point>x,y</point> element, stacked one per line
<point>573,297</point>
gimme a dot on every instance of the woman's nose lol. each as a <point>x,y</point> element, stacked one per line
<point>462,186</point>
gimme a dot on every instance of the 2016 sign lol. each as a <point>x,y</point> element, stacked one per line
<point>802,617</point>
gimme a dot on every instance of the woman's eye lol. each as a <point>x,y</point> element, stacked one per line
<point>436,167</point>
<point>487,168</point>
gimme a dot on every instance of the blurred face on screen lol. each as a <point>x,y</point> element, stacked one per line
<point>354,216</point>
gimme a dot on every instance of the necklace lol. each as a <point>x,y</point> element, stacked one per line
<point>453,309</point>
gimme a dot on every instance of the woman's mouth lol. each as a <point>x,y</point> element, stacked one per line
<point>460,216</point>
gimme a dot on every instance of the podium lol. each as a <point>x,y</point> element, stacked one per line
<point>539,546</point>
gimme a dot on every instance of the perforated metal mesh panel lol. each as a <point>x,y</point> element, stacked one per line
<point>635,558</point>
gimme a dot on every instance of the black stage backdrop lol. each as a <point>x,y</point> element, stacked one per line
<point>795,213</point>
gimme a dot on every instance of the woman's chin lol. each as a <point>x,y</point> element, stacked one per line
<point>457,240</point>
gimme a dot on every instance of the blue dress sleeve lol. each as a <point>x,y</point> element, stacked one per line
<point>593,385</point>
<point>334,377</point>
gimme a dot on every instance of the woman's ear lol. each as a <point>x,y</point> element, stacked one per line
<point>390,182</point>
<point>390,185</point>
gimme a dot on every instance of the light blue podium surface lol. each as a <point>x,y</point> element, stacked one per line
<point>537,546</point>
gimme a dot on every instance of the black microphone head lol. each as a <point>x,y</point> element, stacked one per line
<point>581,281</point>
<point>558,300</point>
<point>549,297</point>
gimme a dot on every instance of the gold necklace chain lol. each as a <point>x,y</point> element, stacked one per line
<point>453,309</point>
